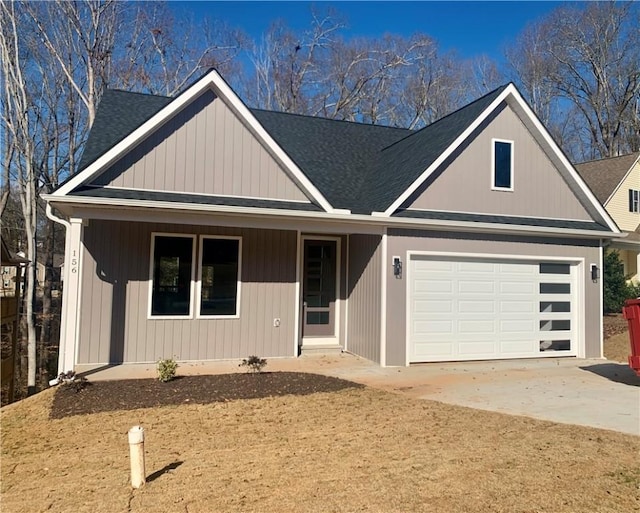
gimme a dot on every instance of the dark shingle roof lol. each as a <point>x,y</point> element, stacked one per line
<point>119,114</point>
<point>196,199</point>
<point>356,166</point>
<point>335,155</point>
<point>402,163</point>
<point>604,175</point>
<point>500,219</point>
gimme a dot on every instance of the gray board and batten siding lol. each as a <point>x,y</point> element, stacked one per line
<point>400,242</point>
<point>365,300</point>
<point>465,184</point>
<point>204,149</point>
<point>114,322</point>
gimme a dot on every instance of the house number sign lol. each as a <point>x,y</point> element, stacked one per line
<point>74,262</point>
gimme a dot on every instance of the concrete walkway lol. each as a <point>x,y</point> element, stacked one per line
<point>595,393</point>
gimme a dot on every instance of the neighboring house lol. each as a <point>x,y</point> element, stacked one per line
<point>201,229</point>
<point>10,280</point>
<point>9,315</point>
<point>616,183</point>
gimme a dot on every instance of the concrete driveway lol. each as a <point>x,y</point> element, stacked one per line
<point>595,393</point>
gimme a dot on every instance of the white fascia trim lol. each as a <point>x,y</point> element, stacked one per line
<point>558,152</point>
<point>444,155</point>
<point>392,222</point>
<point>214,81</point>
<point>626,175</point>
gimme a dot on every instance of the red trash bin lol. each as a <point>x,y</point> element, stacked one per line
<point>631,312</point>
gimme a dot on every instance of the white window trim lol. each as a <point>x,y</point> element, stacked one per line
<point>493,165</point>
<point>150,316</point>
<point>199,282</point>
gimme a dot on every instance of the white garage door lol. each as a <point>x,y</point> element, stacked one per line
<point>479,309</point>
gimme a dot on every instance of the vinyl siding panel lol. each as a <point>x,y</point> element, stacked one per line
<point>630,260</point>
<point>204,149</point>
<point>399,242</point>
<point>465,184</point>
<point>114,326</point>
<point>618,205</point>
<point>363,330</point>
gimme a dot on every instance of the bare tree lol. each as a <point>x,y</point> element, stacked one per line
<point>393,80</point>
<point>80,38</point>
<point>163,54</point>
<point>534,69</point>
<point>8,152</point>
<point>17,118</point>
<point>286,74</point>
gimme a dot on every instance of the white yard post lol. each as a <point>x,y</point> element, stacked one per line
<point>136,450</point>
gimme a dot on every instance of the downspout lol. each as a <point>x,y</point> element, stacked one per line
<point>62,344</point>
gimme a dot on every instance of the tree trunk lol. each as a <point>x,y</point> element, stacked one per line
<point>46,311</point>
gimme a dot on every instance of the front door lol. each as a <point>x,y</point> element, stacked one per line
<point>319,289</point>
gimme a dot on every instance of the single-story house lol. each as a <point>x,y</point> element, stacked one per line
<point>615,182</point>
<point>202,229</point>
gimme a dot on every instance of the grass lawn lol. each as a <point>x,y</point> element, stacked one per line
<point>355,449</point>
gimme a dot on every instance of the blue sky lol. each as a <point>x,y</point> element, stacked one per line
<point>471,28</point>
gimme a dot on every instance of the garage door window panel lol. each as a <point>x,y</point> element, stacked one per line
<point>555,345</point>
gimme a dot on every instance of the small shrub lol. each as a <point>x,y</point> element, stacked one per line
<point>254,364</point>
<point>166,369</point>
<point>615,287</point>
<point>78,384</point>
<point>65,377</point>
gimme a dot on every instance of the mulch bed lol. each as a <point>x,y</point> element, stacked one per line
<point>131,394</point>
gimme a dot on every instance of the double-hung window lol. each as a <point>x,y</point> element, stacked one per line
<point>502,165</point>
<point>634,200</point>
<point>173,276</point>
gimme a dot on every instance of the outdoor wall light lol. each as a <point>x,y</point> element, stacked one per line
<point>397,267</point>
<point>595,273</point>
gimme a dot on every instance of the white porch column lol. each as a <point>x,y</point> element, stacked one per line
<point>70,297</point>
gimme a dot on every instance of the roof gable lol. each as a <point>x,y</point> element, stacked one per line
<point>342,166</point>
<point>205,149</point>
<point>604,176</point>
<point>465,183</point>
<point>212,81</point>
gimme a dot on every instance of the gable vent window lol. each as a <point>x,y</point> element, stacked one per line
<point>502,165</point>
<point>634,200</point>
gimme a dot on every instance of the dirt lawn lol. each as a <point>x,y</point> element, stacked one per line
<point>349,449</point>
<point>616,338</point>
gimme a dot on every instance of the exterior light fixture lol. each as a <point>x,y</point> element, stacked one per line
<point>397,267</point>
